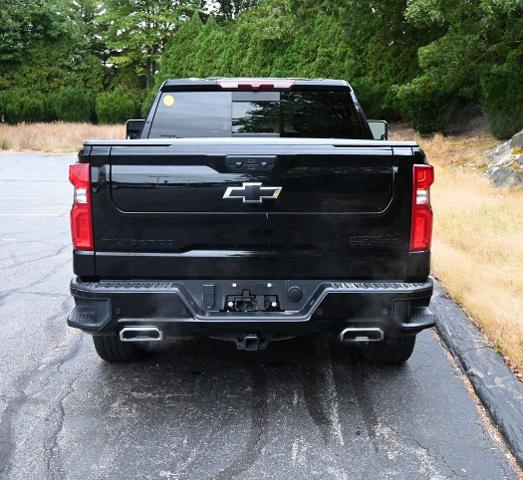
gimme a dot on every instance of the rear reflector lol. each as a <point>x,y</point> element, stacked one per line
<point>81,216</point>
<point>421,224</point>
<point>257,84</point>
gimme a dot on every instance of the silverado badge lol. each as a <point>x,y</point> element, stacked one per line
<point>252,192</point>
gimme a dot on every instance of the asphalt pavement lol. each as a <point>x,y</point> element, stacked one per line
<point>200,409</point>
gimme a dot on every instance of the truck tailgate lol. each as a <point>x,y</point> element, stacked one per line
<point>252,209</point>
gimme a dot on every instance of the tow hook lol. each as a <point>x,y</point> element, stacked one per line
<point>251,343</point>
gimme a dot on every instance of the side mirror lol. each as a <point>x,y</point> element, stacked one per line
<point>379,129</point>
<point>134,127</point>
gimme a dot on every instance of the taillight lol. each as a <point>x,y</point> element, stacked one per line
<point>421,223</point>
<point>262,84</point>
<point>81,218</point>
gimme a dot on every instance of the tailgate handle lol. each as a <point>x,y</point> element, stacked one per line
<point>250,163</point>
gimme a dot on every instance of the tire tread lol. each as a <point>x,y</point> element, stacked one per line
<point>111,349</point>
<point>391,350</point>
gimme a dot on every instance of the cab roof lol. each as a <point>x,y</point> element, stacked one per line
<point>216,81</point>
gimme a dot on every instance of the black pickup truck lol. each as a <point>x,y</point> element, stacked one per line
<point>252,210</point>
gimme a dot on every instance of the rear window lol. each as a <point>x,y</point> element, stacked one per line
<point>308,113</point>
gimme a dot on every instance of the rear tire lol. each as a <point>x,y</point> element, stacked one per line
<point>111,349</point>
<point>391,350</point>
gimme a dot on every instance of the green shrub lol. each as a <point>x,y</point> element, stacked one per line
<point>422,102</point>
<point>25,107</point>
<point>115,107</point>
<point>74,105</point>
<point>50,107</point>
<point>147,103</point>
<point>502,98</point>
<point>377,99</point>
<point>3,104</point>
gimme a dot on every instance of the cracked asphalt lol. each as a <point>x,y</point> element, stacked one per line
<point>199,409</point>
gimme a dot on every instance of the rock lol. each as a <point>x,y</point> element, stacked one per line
<point>506,177</point>
<point>517,140</point>
<point>505,163</point>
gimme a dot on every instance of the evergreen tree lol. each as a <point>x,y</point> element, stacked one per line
<point>137,31</point>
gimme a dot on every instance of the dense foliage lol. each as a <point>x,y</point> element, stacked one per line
<point>116,106</point>
<point>420,60</point>
<point>477,58</point>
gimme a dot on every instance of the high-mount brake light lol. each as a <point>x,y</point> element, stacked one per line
<point>81,213</point>
<point>421,223</point>
<point>257,84</point>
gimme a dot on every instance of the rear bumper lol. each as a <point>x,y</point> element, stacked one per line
<point>194,307</point>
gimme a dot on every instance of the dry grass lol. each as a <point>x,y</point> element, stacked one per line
<point>478,238</point>
<point>55,137</point>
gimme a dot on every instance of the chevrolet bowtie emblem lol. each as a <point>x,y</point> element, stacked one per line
<point>252,192</point>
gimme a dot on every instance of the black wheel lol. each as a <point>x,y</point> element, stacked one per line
<point>111,349</point>
<point>391,350</point>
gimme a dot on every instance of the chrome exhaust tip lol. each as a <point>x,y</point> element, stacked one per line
<point>141,334</point>
<point>355,334</point>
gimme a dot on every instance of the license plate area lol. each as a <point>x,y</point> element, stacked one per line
<point>250,302</point>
